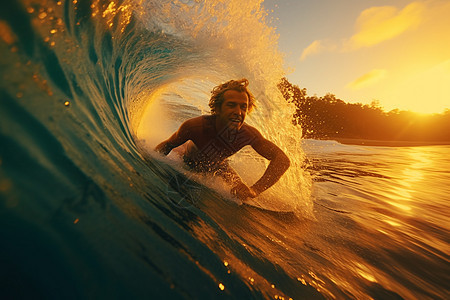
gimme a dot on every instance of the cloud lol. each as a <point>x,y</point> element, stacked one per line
<point>318,46</point>
<point>367,79</point>
<point>314,48</point>
<point>378,24</point>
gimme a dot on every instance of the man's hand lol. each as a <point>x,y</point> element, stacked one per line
<point>242,192</point>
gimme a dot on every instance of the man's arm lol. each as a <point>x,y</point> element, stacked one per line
<point>178,138</point>
<point>278,165</point>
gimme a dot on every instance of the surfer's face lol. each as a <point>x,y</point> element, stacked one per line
<point>233,110</point>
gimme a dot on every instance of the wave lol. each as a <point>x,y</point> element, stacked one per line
<point>87,209</point>
<point>82,82</point>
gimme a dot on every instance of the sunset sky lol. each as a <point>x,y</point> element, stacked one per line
<point>397,52</point>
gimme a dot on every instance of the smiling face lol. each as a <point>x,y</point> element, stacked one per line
<point>233,110</point>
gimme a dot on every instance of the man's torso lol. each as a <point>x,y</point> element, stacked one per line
<point>211,147</point>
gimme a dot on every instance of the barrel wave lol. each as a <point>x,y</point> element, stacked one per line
<point>88,210</point>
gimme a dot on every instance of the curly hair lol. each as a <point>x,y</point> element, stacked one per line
<point>237,85</point>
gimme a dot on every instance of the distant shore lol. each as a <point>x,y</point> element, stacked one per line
<point>364,142</point>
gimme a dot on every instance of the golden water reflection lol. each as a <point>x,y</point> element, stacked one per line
<point>409,178</point>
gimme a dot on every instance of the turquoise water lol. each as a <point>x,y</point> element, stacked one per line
<point>87,210</point>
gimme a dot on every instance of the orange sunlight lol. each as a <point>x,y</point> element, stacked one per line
<point>416,70</point>
<point>427,91</point>
<point>398,55</point>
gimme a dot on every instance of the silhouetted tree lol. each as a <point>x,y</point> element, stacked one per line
<point>328,117</point>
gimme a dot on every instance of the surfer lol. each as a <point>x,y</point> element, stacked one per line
<point>207,141</point>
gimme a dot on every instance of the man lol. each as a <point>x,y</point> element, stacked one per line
<point>209,140</point>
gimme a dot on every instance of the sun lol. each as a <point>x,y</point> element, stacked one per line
<point>425,92</point>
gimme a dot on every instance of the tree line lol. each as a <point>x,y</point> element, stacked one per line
<point>329,117</point>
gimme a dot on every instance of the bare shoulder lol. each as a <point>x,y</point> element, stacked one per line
<point>252,132</point>
<point>265,147</point>
<point>249,128</point>
<point>193,121</point>
<point>192,124</point>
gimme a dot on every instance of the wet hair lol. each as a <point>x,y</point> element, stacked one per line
<point>237,85</point>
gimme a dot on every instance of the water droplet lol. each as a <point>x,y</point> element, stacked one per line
<point>5,185</point>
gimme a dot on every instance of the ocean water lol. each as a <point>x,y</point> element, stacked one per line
<point>88,210</point>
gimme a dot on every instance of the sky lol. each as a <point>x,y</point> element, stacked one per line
<point>396,52</point>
